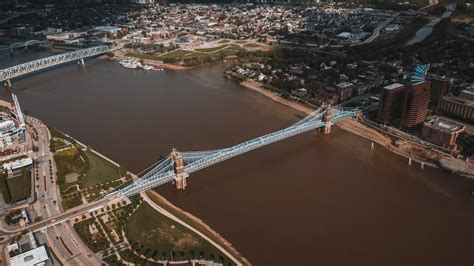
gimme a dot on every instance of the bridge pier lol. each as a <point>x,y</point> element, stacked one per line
<point>180,178</point>
<point>81,61</point>
<point>327,119</point>
<point>8,83</point>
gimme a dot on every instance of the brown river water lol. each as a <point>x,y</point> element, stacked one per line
<point>308,200</point>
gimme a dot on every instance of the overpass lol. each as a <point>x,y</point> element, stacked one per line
<point>6,75</point>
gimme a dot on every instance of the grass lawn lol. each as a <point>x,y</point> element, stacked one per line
<point>213,49</point>
<point>100,171</point>
<point>97,243</point>
<point>224,41</point>
<point>240,41</point>
<point>149,233</point>
<point>17,186</point>
<point>227,49</point>
<point>143,56</point>
<point>176,54</point>
<point>252,45</point>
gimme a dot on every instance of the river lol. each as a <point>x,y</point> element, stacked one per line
<point>426,31</point>
<point>309,200</point>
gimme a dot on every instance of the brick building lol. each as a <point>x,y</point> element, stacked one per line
<point>442,133</point>
<point>457,107</point>
<point>439,87</point>
<point>391,101</point>
<point>415,105</point>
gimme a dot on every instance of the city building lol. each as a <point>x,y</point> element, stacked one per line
<point>345,90</point>
<point>439,87</point>
<point>457,107</point>
<point>11,166</point>
<point>37,256</point>
<point>467,94</point>
<point>390,105</point>
<point>415,105</point>
<point>442,133</point>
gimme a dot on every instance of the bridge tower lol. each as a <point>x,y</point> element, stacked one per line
<point>180,177</point>
<point>327,119</point>
<point>81,61</point>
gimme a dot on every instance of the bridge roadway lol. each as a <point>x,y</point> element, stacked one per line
<point>19,70</point>
<point>62,217</point>
<point>178,165</point>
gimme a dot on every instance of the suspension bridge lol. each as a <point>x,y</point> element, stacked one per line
<point>177,166</point>
<point>6,75</point>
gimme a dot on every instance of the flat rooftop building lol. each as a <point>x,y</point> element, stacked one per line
<point>442,133</point>
<point>457,107</point>
<point>37,256</point>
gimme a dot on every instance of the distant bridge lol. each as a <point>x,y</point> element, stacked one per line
<point>16,71</point>
<point>16,45</point>
<point>177,166</point>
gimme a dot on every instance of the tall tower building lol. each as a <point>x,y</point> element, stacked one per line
<point>415,105</point>
<point>391,101</point>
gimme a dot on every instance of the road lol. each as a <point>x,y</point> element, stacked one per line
<point>377,30</point>
<point>61,237</point>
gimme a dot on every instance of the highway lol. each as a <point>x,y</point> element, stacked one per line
<point>60,237</point>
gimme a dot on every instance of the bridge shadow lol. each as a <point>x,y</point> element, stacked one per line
<point>299,116</point>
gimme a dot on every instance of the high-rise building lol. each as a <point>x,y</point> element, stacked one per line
<point>439,87</point>
<point>415,105</point>
<point>390,105</point>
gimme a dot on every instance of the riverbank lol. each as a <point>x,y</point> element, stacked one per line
<point>153,63</point>
<point>411,151</point>
<point>194,224</point>
<point>255,86</point>
<point>162,205</point>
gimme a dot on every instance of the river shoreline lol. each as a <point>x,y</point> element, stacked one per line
<point>153,63</point>
<point>169,207</point>
<point>443,161</point>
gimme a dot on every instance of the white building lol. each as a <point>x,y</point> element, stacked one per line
<point>7,126</point>
<point>34,257</point>
<point>108,29</point>
<point>58,36</point>
<point>18,164</point>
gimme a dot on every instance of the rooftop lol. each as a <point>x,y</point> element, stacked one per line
<point>32,257</point>
<point>393,86</point>
<point>459,100</point>
<point>443,125</point>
